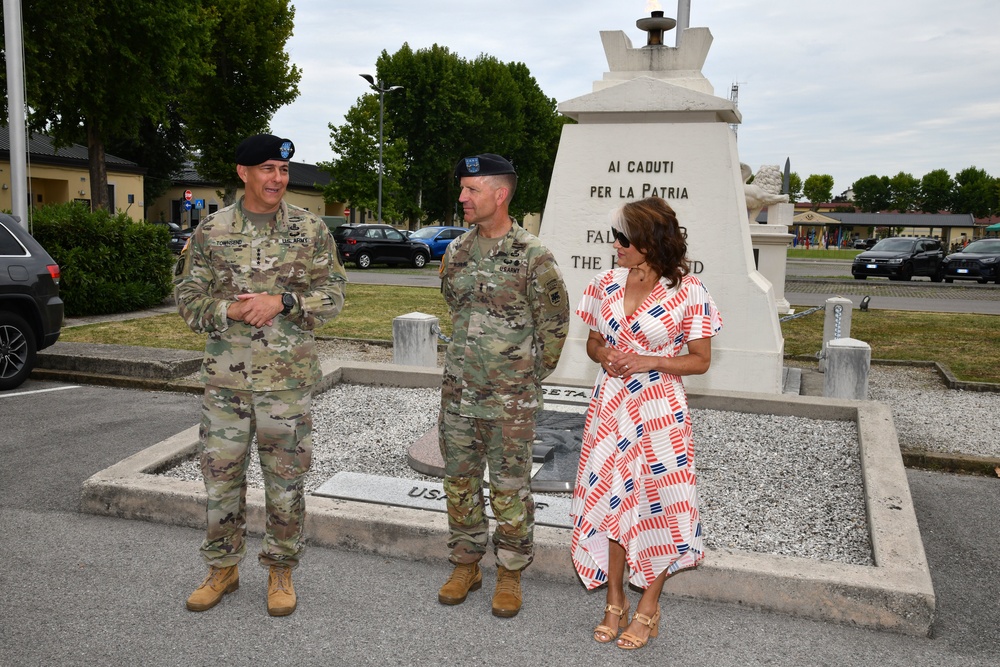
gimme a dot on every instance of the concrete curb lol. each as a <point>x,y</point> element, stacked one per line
<point>896,594</point>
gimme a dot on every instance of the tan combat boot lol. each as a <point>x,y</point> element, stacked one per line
<point>464,578</point>
<point>507,596</point>
<point>281,599</point>
<point>220,580</point>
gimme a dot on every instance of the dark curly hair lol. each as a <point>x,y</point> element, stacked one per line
<point>651,226</point>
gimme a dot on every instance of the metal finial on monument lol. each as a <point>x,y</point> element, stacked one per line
<point>655,25</point>
<point>786,179</point>
<point>683,19</point>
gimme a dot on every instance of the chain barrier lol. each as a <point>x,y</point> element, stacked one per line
<point>838,312</point>
<point>436,330</point>
<point>802,314</point>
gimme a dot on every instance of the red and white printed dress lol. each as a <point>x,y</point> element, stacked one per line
<point>636,482</point>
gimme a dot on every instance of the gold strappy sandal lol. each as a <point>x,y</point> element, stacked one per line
<point>612,633</point>
<point>637,642</point>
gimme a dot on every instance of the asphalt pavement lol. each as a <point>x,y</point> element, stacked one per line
<point>88,590</point>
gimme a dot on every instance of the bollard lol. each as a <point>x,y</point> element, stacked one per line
<point>847,364</point>
<point>836,324</point>
<point>414,342</point>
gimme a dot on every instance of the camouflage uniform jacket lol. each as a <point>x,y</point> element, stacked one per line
<point>509,313</point>
<point>228,255</point>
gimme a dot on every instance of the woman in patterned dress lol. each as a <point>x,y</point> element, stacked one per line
<point>635,500</point>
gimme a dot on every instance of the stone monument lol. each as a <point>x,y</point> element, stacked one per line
<point>653,126</point>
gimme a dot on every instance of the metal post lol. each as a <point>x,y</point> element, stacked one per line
<point>381,110</point>
<point>381,90</point>
<point>683,19</point>
<point>16,110</point>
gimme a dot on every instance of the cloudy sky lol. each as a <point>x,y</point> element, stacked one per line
<point>846,88</point>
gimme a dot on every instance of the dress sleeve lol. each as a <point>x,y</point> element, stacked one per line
<point>589,309</point>
<point>701,317</point>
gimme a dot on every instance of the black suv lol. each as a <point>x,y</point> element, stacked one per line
<point>31,311</point>
<point>366,244</point>
<point>901,258</point>
<point>980,260</point>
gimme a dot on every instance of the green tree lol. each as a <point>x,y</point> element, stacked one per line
<point>794,187</point>
<point>432,113</point>
<point>96,71</point>
<point>872,193</point>
<point>539,133</point>
<point>904,192</point>
<point>975,193</point>
<point>448,108</point>
<point>252,78</point>
<point>818,188</point>
<point>160,147</point>
<point>936,191</point>
<point>354,176</point>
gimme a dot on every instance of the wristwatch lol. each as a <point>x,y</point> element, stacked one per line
<point>288,301</point>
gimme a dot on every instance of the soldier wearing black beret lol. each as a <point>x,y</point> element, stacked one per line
<point>486,164</point>
<point>263,147</point>
<point>258,276</point>
<point>509,313</point>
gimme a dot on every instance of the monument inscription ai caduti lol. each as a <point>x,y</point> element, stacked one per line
<point>652,126</point>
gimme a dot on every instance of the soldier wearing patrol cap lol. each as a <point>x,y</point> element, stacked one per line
<point>510,314</point>
<point>257,277</point>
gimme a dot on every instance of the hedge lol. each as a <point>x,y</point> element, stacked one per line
<point>109,263</point>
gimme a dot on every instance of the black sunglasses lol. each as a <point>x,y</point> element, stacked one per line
<point>621,238</point>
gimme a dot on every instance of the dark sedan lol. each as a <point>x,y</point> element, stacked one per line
<point>900,258</point>
<point>178,236</point>
<point>980,260</point>
<point>365,245</point>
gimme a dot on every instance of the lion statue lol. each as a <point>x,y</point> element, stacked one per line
<point>763,191</point>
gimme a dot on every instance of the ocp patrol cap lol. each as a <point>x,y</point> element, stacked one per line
<point>263,147</point>
<point>486,164</point>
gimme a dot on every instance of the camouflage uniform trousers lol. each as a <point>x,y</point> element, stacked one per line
<point>283,425</point>
<point>505,446</point>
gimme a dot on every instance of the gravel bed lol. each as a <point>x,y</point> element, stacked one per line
<point>777,485</point>
<point>931,417</point>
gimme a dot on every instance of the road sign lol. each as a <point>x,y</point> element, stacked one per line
<point>187,206</point>
<point>199,204</point>
<point>187,195</point>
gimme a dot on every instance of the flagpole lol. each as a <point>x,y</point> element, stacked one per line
<point>14,52</point>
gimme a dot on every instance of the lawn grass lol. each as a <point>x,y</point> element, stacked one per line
<point>969,344</point>
<point>822,253</point>
<point>368,313</point>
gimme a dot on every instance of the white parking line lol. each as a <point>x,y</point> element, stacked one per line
<point>39,391</point>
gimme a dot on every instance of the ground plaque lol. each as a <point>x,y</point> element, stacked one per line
<point>549,511</point>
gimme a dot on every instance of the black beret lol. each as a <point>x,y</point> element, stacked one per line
<point>487,164</point>
<point>263,147</point>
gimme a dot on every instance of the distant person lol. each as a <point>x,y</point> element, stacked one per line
<point>258,277</point>
<point>509,313</point>
<point>635,502</point>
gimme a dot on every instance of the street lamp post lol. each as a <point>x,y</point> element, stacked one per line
<point>377,87</point>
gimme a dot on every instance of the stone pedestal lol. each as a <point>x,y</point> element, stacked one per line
<point>847,364</point>
<point>414,342</point>
<point>643,133</point>
<point>770,246</point>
